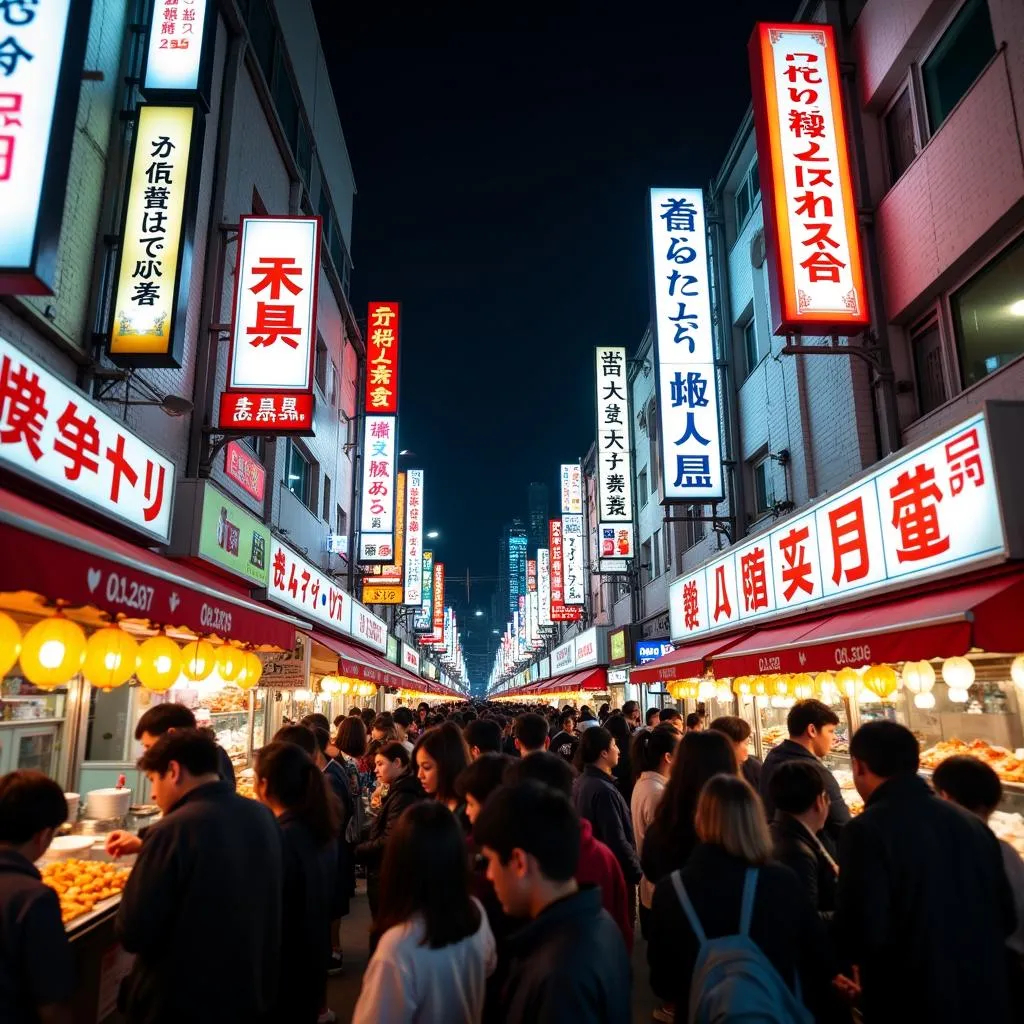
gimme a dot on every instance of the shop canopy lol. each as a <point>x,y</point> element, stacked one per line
<point>69,563</point>
<point>685,662</point>
<point>595,679</point>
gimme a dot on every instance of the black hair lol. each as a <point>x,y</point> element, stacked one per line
<point>164,717</point>
<point>446,746</point>
<point>566,716</point>
<point>593,743</point>
<point>484,734</point>
<point>971,783</point>
<point>468,716</point>
<point>402,717</point>
<point>805,713</point>
<point>736,728</point>
<point>482,777</point>
<point>29,802</point>
<point>394,751</point>
<point>629,707</point>
<point>295,782</point>
<point>536,819</point>
<point>531,730</point>
<point>652,714</point>
<point>693,720</point>
<point>353,712</point>
<point>651,745</point>
<point>351,738</point>
<point>193,749</point>
<point>619,728</point>
<point>425,874</point>
<point>338,719</point>
<point>886,748</point>
<point>543,767</point>
<point>586,714</point>
<point>604,711</point>
<point>669,714</point>
<point>322,737</point>
<point>300,735</point>
<point>316,721</point>
<point>795,785</point>
<point>368,716</point>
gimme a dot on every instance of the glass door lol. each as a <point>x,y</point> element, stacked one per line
<point>35,748</point>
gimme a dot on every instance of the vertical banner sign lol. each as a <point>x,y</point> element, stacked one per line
<point>42,49</point>
<point>687,386</point>
<point>614,460</point>
<point>816,277</point>
<point>155,262</point>
<point>414,538</point>
<point>423,621</point>
<point>438,609</point>
<point>573,572</point>
<point>273,335</point>
<point>560,610</point>
<point>377,516</point>
<point>382,584</point>
<point>572,488</point>
<point>178,50</point>
<point>516,569</point>
<point>544,588</point>
<point>382,321</point>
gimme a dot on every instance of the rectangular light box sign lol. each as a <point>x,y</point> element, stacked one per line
<point>179,50</point>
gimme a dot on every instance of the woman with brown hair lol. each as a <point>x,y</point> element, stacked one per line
<point>440,755</point>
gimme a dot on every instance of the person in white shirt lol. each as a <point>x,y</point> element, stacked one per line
<point>436,949</point>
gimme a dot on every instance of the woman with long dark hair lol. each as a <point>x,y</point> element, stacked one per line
<point>623,771</point>
<point>351,741</point>
<point>439,756</point>
<point>291,785</point>
<point>435,948</point>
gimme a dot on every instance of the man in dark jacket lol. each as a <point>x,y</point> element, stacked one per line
<point>922,893</point>
<point>565,742</point>
<point>569,963</point>
<point>812,729</point>
<point>213,855</point>
<point>162,718</point>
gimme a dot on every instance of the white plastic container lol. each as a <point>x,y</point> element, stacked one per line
<point>108,803</point>
<point>73,800</point>
<point>68,847</point>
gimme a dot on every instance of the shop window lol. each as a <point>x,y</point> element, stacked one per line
<point>321,365</point>
<point>764,496</point>
<point>988,315</point>
<point>641,487</point>
<point>926,348</point>
<point>327,499</point>
<point>959,57</point>
<point>298,473</point>
<point>900,137</point>
<point>750,352</point>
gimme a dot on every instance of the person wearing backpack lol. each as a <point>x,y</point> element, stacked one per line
<point>734,936</point>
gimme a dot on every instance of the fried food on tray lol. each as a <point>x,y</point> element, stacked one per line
<point>81,884</point>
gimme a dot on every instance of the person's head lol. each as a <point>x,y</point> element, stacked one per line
<point>694,722</point>
<point>738,731</point>
<point>351,738</point>
<point>530,836</point>
<point>425,874</point>
<point>531,733</point>
<point>604,711</point>
<point>971,783</point>
<point>812,724</point>
<point>316,721</point>
<point>797,788</point>
<point>338,719</point>
<point>422,711</point>
<point>617,725</point>
<point>567,722</point>
<point>369,716</point>
<point>32,808</point>
<point>674,718</point>
<point>440,754</point>
<point>653,717</point>
<point>161,719</point>
<point>299,735</point>
<point>653,750</point>
<point>598,748</point>
<point>544,767</point>
<point>403,721</point>
<point>288,780</point>
<point>177,763</point>
<point>477,781</point>
<point>354,712</point>
<point>631,712</point>
<point>391,761</point>
<point>586,714</point>
<point>469,715</point>
<point>730,815</point>
<point>384,728</point>
<point>483,736</point>
<point>880,751</point>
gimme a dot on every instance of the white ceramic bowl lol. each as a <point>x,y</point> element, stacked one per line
<point>66,847</point>
<point>108,803</point>
<point>73,800</point>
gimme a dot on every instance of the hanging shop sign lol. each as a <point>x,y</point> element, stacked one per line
<point>618,676</point>
<point>617,643</point>
<point>573,569</point>
<point>393,649</point>
<point>368,628</point>
<point>179,50</point>
<point>55,437</point>
<point>423,620</point>
<point>560,611</point>
<point>544,588</point>
<point>816,273</point>
<point>563,657</point>
<point>382,328</point>
<point>302,587</point>
<point>245,469</point>
<point>377,514</point>
<point>572,489</point>
<point>614,460</point>
<point>382,584</point>
<point>591,648</point>
<point>155,261</point>
<point>927,512</point>
<point>413,581</point>
<point>273,333</point>
<point>41,57</point>
<point>410,659</point>
<point>691,445</point>
<point>516,568</point>
<point>288,670</point>
<point>647,651</point>
<point>437,611</point>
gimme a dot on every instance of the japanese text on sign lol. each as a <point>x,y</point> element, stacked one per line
<point>423,621</point>
<point>573,574</point>
<point>544,587</point>
<point>299,585</point>
<point>572,488</point>
<point>175,46</point>
<point>414,538</point>
<point>382,338</point>
<point>377,517</point>
<point>614,456</point>
<point>687,386</point>
<point>392,573</point>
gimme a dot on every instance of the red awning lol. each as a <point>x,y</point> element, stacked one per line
<point>684,662</point>
<point>590,679</point>
<point>371,667</point>
<point>65,560</point>
<point>939,624</point>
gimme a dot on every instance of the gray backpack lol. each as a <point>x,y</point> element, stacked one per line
<point>733,981</point>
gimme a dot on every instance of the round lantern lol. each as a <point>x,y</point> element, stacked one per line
<point>302,695</point>
<point>52,652</point>
<point>803,686</point>
<point>110,657</point>
<point>10,643</point>
<point>958,675</point>
<point>229,660</point>
<point>706,689</point>
<point>881,681</point>
<point>330,684</point>
<point>925,700</point>
<point>760,688</point>
<point>198,660</point>
<point>1016,669</point>
<point>742,686</point>
<point>159,663</point>
<point>848,682</point>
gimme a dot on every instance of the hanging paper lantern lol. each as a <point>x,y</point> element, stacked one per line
<point>159,663</point>
<point>803,686</point>
<point>1016,670</point>
<point>911,676</point>
<point>925,700</point>
<point>881,680</point>
<point>848,682</point>
<point>110,657</point>
<point>760,687</point>
<point>778,685</point>
<point>706,689</point>
<point>52,652</point>
<point>927,675</point>
<point>330,684</point>
<point>229,660</point>
<point>10,643</point>
<point>958,675</point>
<point>198,660</point>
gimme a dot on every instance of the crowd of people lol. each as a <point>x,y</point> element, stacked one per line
<point>509,860</point>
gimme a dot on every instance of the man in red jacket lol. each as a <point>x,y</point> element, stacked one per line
<point>597,864</point>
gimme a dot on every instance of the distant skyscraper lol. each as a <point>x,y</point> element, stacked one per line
<point>511,568</point>
<point>537,513</point>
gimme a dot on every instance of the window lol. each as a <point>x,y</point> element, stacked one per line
<point>692,529</point>
<point>327,499</point>
<point>641,486</point>
<point>285,100</point>
<point>298,473</point>
<point>341,522</point>
<point>321,364</point>
<point>257,444</point>
<point>654,444</point>
<point>900,138</point>
<point>754,184</point>
<point>750,352</point>
<point>656,552</point>
<point>961,54</point>
<point>746,196</point>
<point>764,496</point>
<point>926,349</point>
<point>988,315</point>
<point>261,34</point>
<point>645,563</point>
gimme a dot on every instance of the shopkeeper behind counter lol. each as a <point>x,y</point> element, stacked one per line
<point>36,972</point>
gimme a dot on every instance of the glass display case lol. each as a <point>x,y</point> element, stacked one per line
<point>31,725</point>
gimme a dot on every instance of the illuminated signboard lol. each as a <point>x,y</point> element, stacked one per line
<point>573,573</point>
<point>42,50</point>
<point>572,488</point>
<point>560,611</point>
<point>437,615</point>
<point>544,588</point>
<point>273,336</point>
<point>178,49</point>
<point>369,629</point>
<point>302,587</point>
<point>414,538</point>
<point>155,262</point>
<point>516,569</point>
<point>423,620</point>
<point>816,276</point>
<point>242,466</point>
<point>410,659</point>
<point>383,584</point>
<point>382,327</point>
<point>614,460</point>
<point>377,515</point>
<point>646,651</point>
<point>687,387</point>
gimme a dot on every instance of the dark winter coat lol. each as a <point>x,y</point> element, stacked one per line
<point>345,886</point>
<point>796,848</point>
<point>597,798</point>
<point>663,854</point>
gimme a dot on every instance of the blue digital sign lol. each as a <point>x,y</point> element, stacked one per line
<point>651,650</point>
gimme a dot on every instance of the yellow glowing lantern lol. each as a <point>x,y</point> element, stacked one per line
<point>881,681</point>
<point>52,652</point>
<point>252,670</point>
<point>110,657</point>
<point>159,663</point>
<point>198,660</point>
<point>778,686</point>
<point>1016,669</point>
<point>330,684</point>
<point>229,660</point>
<point>848,682</point>
<point>741,686</point>
<point>760,686</point>
<point>10,643</point>
<point>803,686</point>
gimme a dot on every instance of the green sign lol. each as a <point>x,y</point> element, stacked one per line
<point>233,538</point>
<point>392,649</point>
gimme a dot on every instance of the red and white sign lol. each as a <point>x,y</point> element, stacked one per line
<point>930,511</point>
<point>175,51</point>
<point>245,469</point>
<point>572,488</point>
<point>273,338</point>
<point>573,581</point>
<point>377,515</point>
<point>366,627</point>
<point>382,333</point>
<point>810,220</point>
<point>53,435</point>
<point>563,658</point>
<point>560,611</point>
<point>302,587</point>
<point>414,537</point>
<point>544,587</point>
<point>410,659</point>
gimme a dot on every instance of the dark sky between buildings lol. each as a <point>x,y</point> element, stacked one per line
<point>502,158</point>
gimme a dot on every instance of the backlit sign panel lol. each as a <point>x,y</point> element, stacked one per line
<point>614,458</point>
<point>414,538</point>
<point>573,570</point>
<point>572,488</point>
<point>242,466</point>
<point>816,273</point>
<point>382,335</point>
<point>423,620</point>
<point>647,651</point>
<point>177,61</point>
<point>301,587</point>
<point>382,584</point>
<point>377,514</point>
<point>544,588</point>
<point>560,611</point>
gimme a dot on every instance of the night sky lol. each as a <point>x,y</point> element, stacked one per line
<point>502,161</point>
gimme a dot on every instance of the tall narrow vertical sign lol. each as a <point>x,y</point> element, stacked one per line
<point>614,460</point>
<point>414,538</point>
